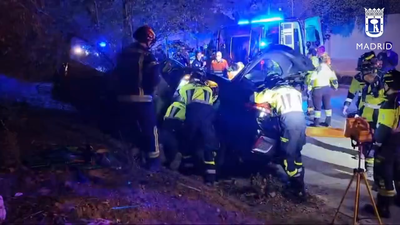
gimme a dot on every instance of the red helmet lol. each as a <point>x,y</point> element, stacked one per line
<point>145,34</point>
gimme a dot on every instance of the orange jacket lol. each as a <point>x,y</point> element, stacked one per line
<point>219,66</point>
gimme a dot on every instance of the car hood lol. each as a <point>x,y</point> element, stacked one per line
<point>291,62</point>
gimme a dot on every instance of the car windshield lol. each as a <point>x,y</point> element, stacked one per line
<point>262,69</point>
<point>88,55</point>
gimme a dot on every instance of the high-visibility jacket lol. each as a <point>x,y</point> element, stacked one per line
<point>196,92</point>
<point>323,77</point>
<point>282,99</point>
<point>176,110</point>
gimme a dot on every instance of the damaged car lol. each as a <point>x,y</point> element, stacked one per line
<point>84,81</point>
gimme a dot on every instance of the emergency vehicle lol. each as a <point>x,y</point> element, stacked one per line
<point>245,39</point>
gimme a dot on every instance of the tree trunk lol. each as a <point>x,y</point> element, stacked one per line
<point>96,11</point>
<point>127,18</point>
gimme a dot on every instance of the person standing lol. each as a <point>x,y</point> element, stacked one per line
<point>198,62</point>
<point>389,58</point>
<point>323,55</point>
<point>219,65</point>
<point>312,54</point>
<point>137,75</point>
<point>321,83</point>
<point>386,148</point>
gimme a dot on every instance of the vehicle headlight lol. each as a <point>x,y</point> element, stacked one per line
<point>78,50</point>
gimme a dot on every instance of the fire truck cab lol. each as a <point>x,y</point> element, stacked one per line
<point>242,41</point>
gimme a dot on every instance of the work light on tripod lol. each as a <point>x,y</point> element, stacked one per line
<point>358,130</point>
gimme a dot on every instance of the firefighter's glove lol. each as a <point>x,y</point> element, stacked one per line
<point>345,108</point>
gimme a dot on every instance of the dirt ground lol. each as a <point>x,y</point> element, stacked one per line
<point>109,196</point>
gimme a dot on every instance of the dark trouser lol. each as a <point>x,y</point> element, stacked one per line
<point>359,96</point>
<point>322,97</point>
<point>387,171</point>
<point>199,125</point>
<point>310,104</point>
<point>368,153</point>
<point>293,138</point>
<point>171,135</point>
<point>138,126</point>
<point>387,168</point>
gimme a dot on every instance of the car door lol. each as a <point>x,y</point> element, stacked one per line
<point>239,122</point>
<point>313,31</point>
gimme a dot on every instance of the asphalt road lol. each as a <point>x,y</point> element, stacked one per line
<point>329,165</point>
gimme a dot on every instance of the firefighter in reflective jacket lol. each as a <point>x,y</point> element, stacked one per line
<point>198,128</point>
<point>356,86</point>
<point>366,66</point>
<point>286,103</point>
<point>387,148</point>
<point>172,133</point>
<point>312,54</point>
<point>137,75</point>
<point>321,82</point>
<point>372,97</point>
<point>323,55</point>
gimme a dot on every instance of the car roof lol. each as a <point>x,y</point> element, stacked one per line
<point>290,61</point>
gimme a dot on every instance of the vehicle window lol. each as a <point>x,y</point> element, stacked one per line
<point>176,64</point>
<point>264,68</point>
<point>88,55</point>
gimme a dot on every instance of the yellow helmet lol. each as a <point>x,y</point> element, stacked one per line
<point>214,87</point>
<point>211,84</point>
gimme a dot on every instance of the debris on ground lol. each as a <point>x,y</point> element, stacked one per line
<point>69,173</point>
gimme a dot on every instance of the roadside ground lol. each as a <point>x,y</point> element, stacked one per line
<point>60,195</point>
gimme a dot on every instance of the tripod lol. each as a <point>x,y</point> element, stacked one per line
<point>358,175</point>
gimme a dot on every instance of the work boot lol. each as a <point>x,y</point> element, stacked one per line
<point>153,164</point>
<point>295,190</point>
<point>187,165</point>
<point>210,175</point>
<point>310,111</point>
<point>316,122</point>
<point>328,120</point>
<point>209,179</point>
<point>383,204</point>
<point>176,162</point>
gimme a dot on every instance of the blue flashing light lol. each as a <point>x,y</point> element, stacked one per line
<point>264,43</point>
<point>273,19</point>
<point>102,44</point>
<point>243,22</point>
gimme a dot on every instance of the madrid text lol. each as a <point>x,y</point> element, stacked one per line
<point>374,46</point>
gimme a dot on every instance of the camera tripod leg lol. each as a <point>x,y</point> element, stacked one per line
<point>342,200</point>
<point>357,198</point>
<point>371,197</point>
